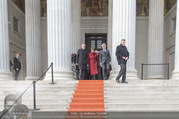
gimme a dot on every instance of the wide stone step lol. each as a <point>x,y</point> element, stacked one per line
<point>145,109</point>
<point>142,87</point>
<point>142,105</point>
<point>46,101</point>
<point>87,105</point>
<point>139,101</point>
<point>40,82</point>
<point>154,102</point>
<point>131,85</point>
<point>37,87</point>
<point>87,100</point>
<point>142,97</point>
<point>39,91</point>
<point>141,92</point>
<point>62,96</point>
<point>50,106</point>
<point>145,81</point>
<point>88,95</point>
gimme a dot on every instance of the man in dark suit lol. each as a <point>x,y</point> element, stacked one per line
<point>81,61</point>
<point>105,61</point>
<point>17,66</point>
<point>122,57</point>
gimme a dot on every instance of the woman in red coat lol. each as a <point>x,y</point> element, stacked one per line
<point>92,62</point>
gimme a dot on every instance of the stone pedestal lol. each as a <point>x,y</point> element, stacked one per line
<point>33,39</point>
<point>124,27</point>
<point>155,39</point>
<point>175,74</point>
<point>59,40</point>
<point>5,73</point>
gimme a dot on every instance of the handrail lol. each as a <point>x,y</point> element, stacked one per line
<point>33,83</point>
<point>142,65</point>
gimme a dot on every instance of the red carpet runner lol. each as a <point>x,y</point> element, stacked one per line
<point>88,99</point>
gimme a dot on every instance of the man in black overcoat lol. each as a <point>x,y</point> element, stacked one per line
<point>17,66</point>
<point>122,57</point>
<point>81,61</point>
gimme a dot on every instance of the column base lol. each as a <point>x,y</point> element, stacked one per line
<point>6,75</point>
<point>59,75</point>
<point>33,78</point>
<point>155,77</point>
<point>131,74</point>
<point>175,75</point>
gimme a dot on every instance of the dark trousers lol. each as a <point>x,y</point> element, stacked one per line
<point>105,70</point>
<point>81,74</point>
<point>93,77</point>
<point>99,73</point>
<point>77,74</point>
<point>122,73</point>
<point>16,74</point>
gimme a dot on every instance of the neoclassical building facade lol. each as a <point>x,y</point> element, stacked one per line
<point>50,31</point>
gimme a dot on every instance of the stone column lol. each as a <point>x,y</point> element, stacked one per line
<point>155,39</point>
<point>75,25</point>
<point>5,73</point>
<point>175,74</point>
<point>59,42</point>
<point>33,39</point>
<point>124,27</point>
<point>110,18</point>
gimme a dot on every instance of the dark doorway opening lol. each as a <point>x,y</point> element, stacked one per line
<point>95,41</point>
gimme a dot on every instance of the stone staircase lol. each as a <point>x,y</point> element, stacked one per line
<point>142,96</point>
<point>137,96</point>
<point>49,97</point>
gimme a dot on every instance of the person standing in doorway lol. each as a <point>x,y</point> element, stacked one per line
<point>17,65</point>
<point>81,61</point>
<point>122,55</point>
<point>105,61</point>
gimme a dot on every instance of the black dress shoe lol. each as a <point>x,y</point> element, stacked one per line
<point>105,79</point>
<point>117,80</point>
<point>125,82</point>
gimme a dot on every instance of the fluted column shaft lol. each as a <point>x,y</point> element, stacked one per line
<point>155,38</point>
<point>110,18</point>
<point>124,27</point>
<point>4,42</point>
<point>59,43</point>
<point>33,39</point>
<point>75,25</point>
<point>175,74</point>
